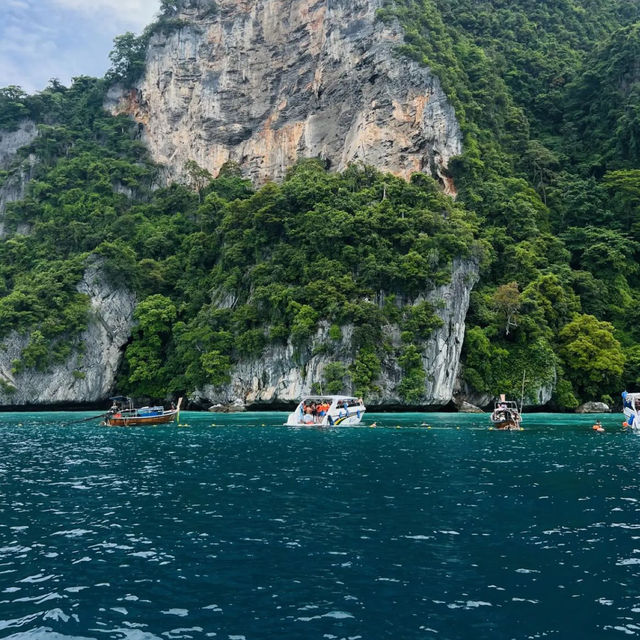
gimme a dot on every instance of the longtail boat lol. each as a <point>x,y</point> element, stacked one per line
<point>506,415</point>
<point>123,414</point>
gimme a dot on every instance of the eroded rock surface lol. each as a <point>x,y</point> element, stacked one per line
<point>13,187</point>
<point>89,375</point>
<point>284,373</point>
<point>266,82</point>
<point>593,407</point>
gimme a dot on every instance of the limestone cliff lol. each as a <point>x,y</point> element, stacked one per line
<point>89,375</point>
<point>265,82</point>
<point>13,187</point>
<point>284,373</point>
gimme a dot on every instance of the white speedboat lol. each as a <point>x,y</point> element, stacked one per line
<point>327,411</point>
<point>631,409</point>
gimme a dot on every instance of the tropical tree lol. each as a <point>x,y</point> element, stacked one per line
<point>145,357</point>
<point>128,57</point>
<point>506,301</point>
<point>592,357</point>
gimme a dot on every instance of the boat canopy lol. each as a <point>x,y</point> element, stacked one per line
<point>332,400</point>
<point>330,397</point>
<point>507,404</point>
<point>631,400</point>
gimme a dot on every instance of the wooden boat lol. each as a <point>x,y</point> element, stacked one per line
<point>123,414</point>
<point>506,416</point>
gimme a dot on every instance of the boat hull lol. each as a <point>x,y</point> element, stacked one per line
<point>507,425</point>
<point>336,421</point>
<point>140,421</point>
<point>631,417</point>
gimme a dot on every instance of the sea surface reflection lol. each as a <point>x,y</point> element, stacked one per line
<point>234,527</point>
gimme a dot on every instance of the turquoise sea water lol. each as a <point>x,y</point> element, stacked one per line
<point>235,527</point>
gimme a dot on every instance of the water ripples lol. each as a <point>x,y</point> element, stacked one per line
<point>240,532</point>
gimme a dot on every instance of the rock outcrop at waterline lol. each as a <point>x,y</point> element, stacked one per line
<point>89,375</point>
<point>284,373</point>
<point>266,82</point>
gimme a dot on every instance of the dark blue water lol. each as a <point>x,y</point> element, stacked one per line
<point>237,528</point>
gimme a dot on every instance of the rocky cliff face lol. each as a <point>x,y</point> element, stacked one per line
<point>266,82</point>
<point>84,378</point>
<point>284,374</point>
<point>14,185</point>
<point>11,141</point>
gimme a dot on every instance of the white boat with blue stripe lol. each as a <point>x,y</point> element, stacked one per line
<point>631,410</point>
<point>327,411</point>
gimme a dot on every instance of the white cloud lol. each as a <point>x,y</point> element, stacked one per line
<point>43,39</point>
<point>17,4</point>
<point>135,12</point>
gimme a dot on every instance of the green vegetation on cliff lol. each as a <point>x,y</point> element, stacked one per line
<point>549,192</point>
<point>547,95</point>
<point>224,271</point>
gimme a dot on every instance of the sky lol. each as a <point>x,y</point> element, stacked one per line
<point>45,39</point>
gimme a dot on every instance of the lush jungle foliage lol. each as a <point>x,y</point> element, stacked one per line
<point>222,270</point>
<point>547,94</point>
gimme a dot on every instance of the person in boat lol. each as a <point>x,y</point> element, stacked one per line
<point>307,417</point>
